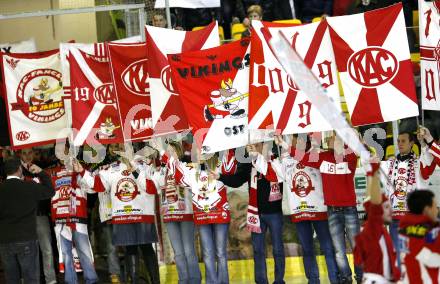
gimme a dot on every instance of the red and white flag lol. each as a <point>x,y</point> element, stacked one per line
<point>372,56</point>
<point>34,97</point>
<point>94,109</point>
<point>429,19</point>
<point>213,86</point>
<point>129,67</point>
<point>292,111</point>
<point>165,103</point>
<point>96,49</point>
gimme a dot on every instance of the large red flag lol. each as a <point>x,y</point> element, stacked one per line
<point>374,64</point>
<point>129,67</point>
<point>94,108</point>
<point>165,103</point>
<point>213,86</point>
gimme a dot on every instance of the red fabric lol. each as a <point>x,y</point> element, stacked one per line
<point>435,151</point>
<point>130,77</point>
<point>368,253</point>
<point>87,95</point>
<point>338,188</point>
<point>417,233</point>
<point>151,188</point>
<point>200,73</point>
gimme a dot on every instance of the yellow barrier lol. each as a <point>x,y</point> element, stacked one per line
<point>242,271</point>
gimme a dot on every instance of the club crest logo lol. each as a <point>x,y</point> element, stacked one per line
<point>40,96</point>
<point>126,190</point>
<point>135,78</point>
<point>167,81</point>
<point>372,67</point>
<point>301,184</point>
<point>104,94</point>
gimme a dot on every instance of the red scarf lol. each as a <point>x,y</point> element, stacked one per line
<point>253,219</point>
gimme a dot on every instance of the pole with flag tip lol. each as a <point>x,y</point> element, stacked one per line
<point>168,13</point>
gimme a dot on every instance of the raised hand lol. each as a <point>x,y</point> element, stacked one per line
<point>34,169</point>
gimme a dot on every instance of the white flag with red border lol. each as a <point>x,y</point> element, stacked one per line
<point>291,110</point>
<point>165,104</point>
<point>94,109</point>
<point>374,64</point>
<point>34,97</point>
<point>129,67</point>
<point>429,26</point>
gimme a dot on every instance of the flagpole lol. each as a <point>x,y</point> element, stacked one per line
<point>395,135</point>
<point>168,13</point>
<point>423,117</point>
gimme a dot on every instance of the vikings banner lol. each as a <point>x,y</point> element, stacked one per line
<point>213,87</point>
<point>167,114</point>
<point>292,111</point>
<point>130,77</point>
<point>429,19</point>
<point>94,111</point>
<point>372,56</point>
<point>34,97</point>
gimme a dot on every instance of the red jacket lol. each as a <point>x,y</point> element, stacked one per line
<point>420,246</point>
<point>374,246</point>
<point>337,177</point>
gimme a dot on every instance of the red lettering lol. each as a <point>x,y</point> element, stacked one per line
<point>325,72</point>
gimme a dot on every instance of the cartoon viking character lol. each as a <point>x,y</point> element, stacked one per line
<point>43,93</point>
<point>106,129</point>
<point>226,101</point>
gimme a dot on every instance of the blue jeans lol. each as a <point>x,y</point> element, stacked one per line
<point>275,224</point>
<point>344,221</point>
<point>82,245</point>
<point>114,268</point>
<point>394,232</point>
<point>45,241</point>
<point>305,235</point>
<point>181,235</point>
<point>21,260</point>
<point>214,239</point>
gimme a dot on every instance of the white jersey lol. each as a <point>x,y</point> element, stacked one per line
<point>132,199</point>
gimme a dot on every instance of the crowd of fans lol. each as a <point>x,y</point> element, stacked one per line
<point>237,11</point>
<point>44,196</point>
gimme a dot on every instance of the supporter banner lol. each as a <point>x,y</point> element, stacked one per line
<point>94,110</point>
<point>165,104</point>
<point>213,86</point>
<point>292,111</point>
<point>429,19</point>
<point>129,67</point>
<point>160,4</point>
<point>25,46</point>
<point>97,49</point>
<point>34,97</point>
<point>373,59</point>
